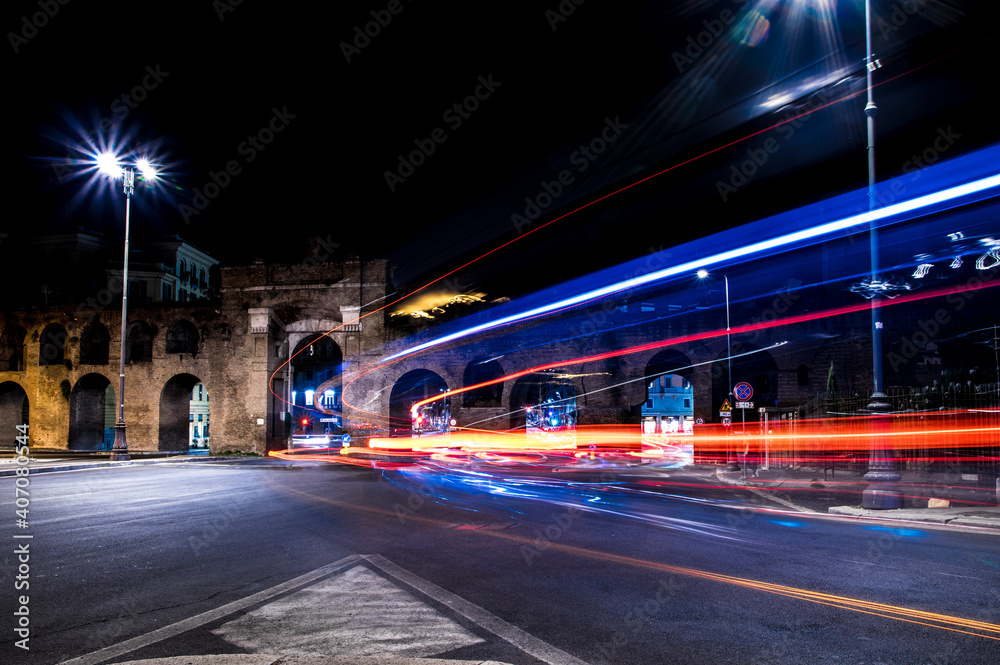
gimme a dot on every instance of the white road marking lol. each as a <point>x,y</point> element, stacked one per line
<point>508,632</point>
<point>967,577</point>
<point>373,625</point>
<point>778,499</point>
<point>175,629</point>
<point>356,613</point>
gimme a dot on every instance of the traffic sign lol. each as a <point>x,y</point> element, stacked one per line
<point>743,391</point>
<point>727,422</point>
<point>744,405</point>
<point>725,406</point>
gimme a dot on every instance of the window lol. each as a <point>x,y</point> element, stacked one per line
<point>182,337</point>
<point>50,351</point>
<point>94,344</point>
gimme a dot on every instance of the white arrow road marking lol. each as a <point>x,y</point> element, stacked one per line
<point>354,611</point>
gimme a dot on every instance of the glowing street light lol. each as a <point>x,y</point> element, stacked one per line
<point>702,274</point>
<point>108,164</point>
<point>881,468</point>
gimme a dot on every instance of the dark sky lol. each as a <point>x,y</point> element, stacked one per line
<point>210,83</point>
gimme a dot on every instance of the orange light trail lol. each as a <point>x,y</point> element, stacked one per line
<point>735,330</point>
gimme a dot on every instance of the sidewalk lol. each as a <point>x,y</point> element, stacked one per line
<point>48,461</point>
<point>266,659</point>
<point>930,498</point>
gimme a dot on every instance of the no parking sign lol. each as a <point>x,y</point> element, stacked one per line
<point>743,391</point>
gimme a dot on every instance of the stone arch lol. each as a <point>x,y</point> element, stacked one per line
<point>182,337</point>
<point>139,343</point>
<point>480,371</point>
<point>175,411</point>
<point>51,345</point>
<point>13,410</point>
<point>94,344</point>
<point>669,405</point>
<point>91,413</point>
<point>538,388</point>
<point>316,370</point>
<point>415,385</point>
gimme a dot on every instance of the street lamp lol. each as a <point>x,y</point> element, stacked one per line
<point>881,473</point>
<point>108,164</point>
<point>702,274</point>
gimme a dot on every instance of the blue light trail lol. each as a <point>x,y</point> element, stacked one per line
<point>783,241</point>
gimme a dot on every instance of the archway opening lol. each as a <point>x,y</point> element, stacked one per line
<point>13,411</point>
<point>543,402</point>
<point>669,406</point>
<point>317,409</point>
<point>176,415</point>
<point>198,422</point>
<point>412,387</point>
<point>91,413</point>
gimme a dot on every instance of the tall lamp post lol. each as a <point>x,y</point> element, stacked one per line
<point>702,274</point>
<point>108,164</point>
<point>881,493</point>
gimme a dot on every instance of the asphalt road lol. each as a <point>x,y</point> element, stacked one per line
<point>600,568</point>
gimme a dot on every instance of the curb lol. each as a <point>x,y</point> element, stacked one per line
<point>937,516</point>
<point>267,659</point>
<point>76,466</point>
<point>946,516</point>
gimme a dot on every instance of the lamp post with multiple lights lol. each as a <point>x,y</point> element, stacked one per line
<point>881,467</point>
<point>109,166</point>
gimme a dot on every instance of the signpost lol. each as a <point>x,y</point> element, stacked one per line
<point>743,392</point>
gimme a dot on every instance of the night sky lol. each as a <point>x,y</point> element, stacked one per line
<point>282,126</point>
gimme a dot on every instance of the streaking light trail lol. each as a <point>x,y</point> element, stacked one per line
<point>750,327</point>
<point>783,241</point>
